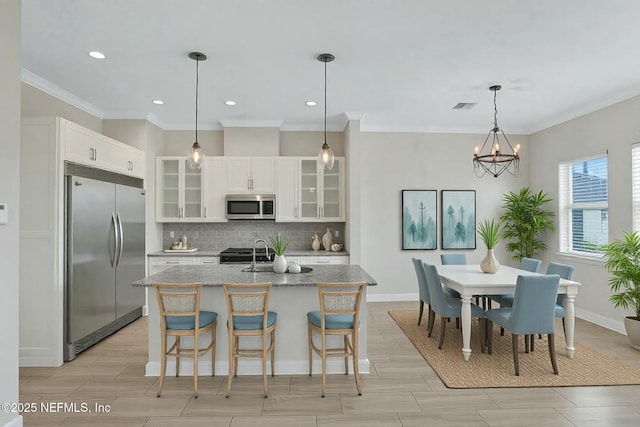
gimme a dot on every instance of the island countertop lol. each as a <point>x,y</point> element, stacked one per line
<point>216,275</point>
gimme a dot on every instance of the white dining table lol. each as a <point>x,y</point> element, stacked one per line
<point>470,281</point>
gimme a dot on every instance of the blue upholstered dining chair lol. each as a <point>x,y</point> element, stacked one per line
<point>449,307</point>
<point>528,264</point>
<point>453,259</point>
<point>533,312</point>
<point>565,272</point>
<point>423,291</point>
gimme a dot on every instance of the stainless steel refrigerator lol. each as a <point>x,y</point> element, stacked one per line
<point>105,253</point>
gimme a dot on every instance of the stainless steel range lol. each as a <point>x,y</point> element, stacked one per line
<point>245,255</point>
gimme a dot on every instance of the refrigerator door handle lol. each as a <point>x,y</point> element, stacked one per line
<point>120,246</point>
<point>112,259</point>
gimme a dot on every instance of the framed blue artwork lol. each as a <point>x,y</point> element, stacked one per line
<point>458,219</point>
<point>419,219</point>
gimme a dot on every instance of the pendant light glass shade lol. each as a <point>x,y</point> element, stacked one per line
<point>195,154</point>
<point>325,156</point>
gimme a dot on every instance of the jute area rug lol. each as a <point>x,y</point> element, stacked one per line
<point>587,368</point>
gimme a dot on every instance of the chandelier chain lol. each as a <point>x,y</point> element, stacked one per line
<point>495,109</point>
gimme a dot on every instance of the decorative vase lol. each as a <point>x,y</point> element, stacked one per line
<point>632,327</point>
<point>279,264</point>
<point>489,264</point>
<point>327,240</point>
<point>315,245</point>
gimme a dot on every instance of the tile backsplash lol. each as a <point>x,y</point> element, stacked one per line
<point>218,236</point>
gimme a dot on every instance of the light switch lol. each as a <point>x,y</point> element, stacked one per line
<point>4,213</point>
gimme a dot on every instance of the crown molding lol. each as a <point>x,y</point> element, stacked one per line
<point>47,87</point>
<point>251,123</point>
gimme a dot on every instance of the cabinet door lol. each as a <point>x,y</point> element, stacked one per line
<point>287,189</point>
<point>157,264</point>
<point>78,144</point>
<point>208,260</point>
<point>110,154</point>
<point>215,188</point>
<point>263,172</point>
<point>309,206</point>
<point>192,210</point>
<point>238,175</point>
<point>327,260</point>
<point>332,200</point>
<point>168,194</point>
<point>136,163</point>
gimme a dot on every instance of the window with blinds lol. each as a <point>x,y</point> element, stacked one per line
<point>635,184</point>
<point>584,205</point>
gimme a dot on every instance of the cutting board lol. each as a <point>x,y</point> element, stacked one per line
<point>180,251</point>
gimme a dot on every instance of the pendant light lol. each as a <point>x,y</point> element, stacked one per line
<point>496,160</point>
<point>325,157</point>
<point>196,155</point>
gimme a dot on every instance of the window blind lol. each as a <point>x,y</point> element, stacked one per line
<point>635,184</point>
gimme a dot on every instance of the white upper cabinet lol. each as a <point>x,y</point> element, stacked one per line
<point>305,192</point>
<point>287,192</point>
<point>215,189</point>
<point>89,148</point>
<point>250,175</point>
<point>178,190</point>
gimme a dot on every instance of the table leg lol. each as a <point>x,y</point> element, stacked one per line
<point>465,319</point>
<point>569,323</point>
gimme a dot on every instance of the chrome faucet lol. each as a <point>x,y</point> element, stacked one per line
<point>266,245</point>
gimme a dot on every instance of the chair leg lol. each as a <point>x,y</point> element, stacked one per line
<point>324,363</point>
<point>273,352</point>
<point>356,369</point>
<point>457,323</point>
<point>443,326</point>
<point>516,365</point>
<point>420,311</point>
<point>195,364</point>
<point>490,336</point>
<point>309,334</point>
<point>163,362</point>
<point>564,330</point>
<point>432,320</point>
<point>501,331</point>
<point>232,362</point>
<point>264,363</point>
<point>483,330</point>
<point>551,338</point>
<point>526,343</point>
<point>178,358</point>
<point>213,350</point>
<point>532,339</point>
<point>346,358</point>
<point>235,365</point>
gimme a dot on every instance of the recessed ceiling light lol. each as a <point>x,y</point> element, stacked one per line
<point>231,103</point>
<point>96,55</point>
<point>310,103</point>
<point>158,101</point>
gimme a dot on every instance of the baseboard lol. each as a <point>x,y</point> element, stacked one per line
<point>38,361</point>
<point>391,297</point>
<point>254,367</point>
<point>605,322</point>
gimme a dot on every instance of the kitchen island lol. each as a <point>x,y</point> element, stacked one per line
<point>292,296</point>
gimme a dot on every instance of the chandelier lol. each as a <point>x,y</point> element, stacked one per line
<point>498,157</point>
<point>326,157</point>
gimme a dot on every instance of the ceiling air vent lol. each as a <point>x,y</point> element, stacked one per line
<point>464,105</point>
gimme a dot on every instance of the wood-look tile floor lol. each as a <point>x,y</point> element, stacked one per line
<point>401,390</point>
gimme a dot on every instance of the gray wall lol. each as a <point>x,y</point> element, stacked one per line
<point>10,18</point>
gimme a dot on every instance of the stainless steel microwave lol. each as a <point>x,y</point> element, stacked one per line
<point>250,206</point>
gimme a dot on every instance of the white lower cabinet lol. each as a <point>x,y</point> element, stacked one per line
<point>204,260</point>
<point>157,264</point>
<point>324,260</point>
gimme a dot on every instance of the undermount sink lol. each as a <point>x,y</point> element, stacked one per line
<point>269,269</point>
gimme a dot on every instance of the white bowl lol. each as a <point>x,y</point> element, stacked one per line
<point>336,247</point>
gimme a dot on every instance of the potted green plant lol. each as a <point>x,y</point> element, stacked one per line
<point>524,220</point>
<point>491,235</point>
<point>622,260</point>
<point>279,245</point>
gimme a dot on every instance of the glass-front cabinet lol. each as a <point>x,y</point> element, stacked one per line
<point>321,191</point>
<point>178,190</point>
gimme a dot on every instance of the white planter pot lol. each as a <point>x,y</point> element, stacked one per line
<point>632,327</point>
<point>489,264</point>
<point>279,264</point>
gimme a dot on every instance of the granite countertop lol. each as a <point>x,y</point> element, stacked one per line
<point>216,275</point>
<point>290,252</point>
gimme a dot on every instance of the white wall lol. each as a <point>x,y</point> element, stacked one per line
<point>10,18</point>
<point>614,129</point>
<point>391,162</point>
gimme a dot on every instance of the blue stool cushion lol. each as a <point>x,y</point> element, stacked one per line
<point>331,322</point>
<point>252,323</point>
<point>186,323</point>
